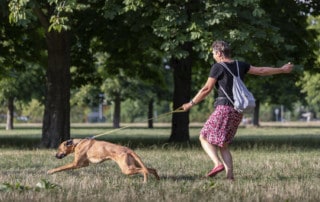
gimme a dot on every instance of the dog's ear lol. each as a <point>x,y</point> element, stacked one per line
<point>69,142</point>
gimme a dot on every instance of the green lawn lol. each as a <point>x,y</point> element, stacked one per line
<point>270,163</point>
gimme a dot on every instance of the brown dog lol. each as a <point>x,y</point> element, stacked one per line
<point>94,151</point>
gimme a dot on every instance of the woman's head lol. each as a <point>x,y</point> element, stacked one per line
<point>221,47</point>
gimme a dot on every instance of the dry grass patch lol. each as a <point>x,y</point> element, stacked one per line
<point>271,164</point>
<point>260,176</point>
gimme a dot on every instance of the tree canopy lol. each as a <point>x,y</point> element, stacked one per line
<point>105,43</point>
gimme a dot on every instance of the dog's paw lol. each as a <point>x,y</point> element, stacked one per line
<point>50,172</point>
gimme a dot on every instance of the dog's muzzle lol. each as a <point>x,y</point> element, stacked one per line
<point>60,156</point>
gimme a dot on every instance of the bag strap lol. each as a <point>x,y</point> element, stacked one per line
<point>226,67</point>
<point>227,95</point>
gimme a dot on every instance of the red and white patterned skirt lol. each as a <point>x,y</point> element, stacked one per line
<point>222,125</point>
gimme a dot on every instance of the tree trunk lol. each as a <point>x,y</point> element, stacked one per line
<point>56,120</point>
<point>150,113</point>
<point>10,111</point>
<point>181,95</point>
<point>116,114</point>
<point>256,114</point>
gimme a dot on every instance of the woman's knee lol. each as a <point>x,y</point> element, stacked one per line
<point>201,138</point>
<point>224,146</point>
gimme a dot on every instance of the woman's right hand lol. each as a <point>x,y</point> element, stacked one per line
<point>186,106</point>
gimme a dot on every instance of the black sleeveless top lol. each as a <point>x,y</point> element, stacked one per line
<point>225,79</point>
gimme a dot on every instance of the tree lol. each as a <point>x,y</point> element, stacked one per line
<point>187,30</point>
<point>130,61</point>
<point>85,98</point>
<point>116,88</point>
<point>295,45</point>
<point>21,75</point>
<point>52,16</point>
<point>20,85</point>
<point>56,21</point>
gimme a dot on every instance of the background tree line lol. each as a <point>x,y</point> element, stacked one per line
<point>55,50</point>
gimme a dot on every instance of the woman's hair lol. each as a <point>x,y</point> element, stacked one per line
<point>222,47</point>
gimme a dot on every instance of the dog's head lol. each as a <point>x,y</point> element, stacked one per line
<point>65,148</point>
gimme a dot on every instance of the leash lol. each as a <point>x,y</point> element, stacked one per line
<point>178,110</point>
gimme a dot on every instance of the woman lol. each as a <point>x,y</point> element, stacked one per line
<point>221,126</point>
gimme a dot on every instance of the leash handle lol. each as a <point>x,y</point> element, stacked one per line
<point>178,110</point>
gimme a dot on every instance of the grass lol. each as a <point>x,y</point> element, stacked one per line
<point>271,164</point>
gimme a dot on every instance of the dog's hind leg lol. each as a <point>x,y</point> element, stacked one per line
<point>143,169</point>
<point>138,161</point>
<point>130,164</point>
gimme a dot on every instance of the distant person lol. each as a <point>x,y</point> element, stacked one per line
<point>221,127</point>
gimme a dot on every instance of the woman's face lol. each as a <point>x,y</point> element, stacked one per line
<point>215,55</point>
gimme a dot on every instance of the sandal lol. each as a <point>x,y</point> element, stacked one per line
<point>215,170</point>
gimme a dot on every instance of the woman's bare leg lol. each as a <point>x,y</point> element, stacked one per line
<point>211,150</point>
<point>227,161</point>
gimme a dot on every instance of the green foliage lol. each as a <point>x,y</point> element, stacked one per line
<point>21,71</point>
<point>250,27</point>
<point>203,22</point>
<point>133,109</point>
<point>22,84</point>
<point>60,20</point>
<point>178,24</point>
<point>11,187</point>
<point>310,79</point>
<point>119,85</point>
<point>126,42</point>
<point>311,87</point>
<point>21,12</point>
<point>42,185</point>
<point>132,5</point>
<point>314,25</point>
<point>87,95</point>
<point>33,110</point>
<point>18,11</point>
<point>58,23</point>
<point>279,40</point>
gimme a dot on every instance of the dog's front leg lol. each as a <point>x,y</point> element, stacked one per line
<point>73,165</point>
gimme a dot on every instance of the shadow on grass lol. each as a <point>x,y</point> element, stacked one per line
<point>281,142</point>
<point>182,177</point>
<point>19,143</point>
<point>278,142</point>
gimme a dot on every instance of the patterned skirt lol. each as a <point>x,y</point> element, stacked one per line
<point>222,125</point>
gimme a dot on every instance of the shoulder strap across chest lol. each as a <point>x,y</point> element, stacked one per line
<point>226,67</point>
